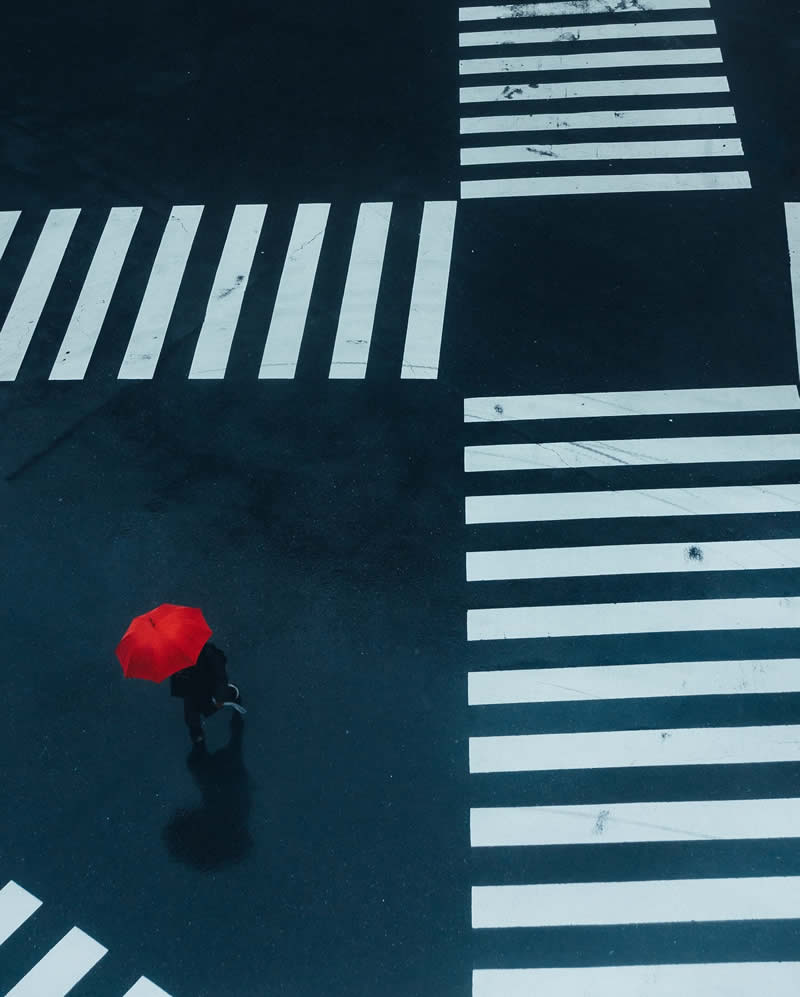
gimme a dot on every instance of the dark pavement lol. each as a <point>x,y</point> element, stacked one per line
<point>323,846</point>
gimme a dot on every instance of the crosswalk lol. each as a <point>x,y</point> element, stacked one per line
<point>66,963</point>
<point>107,272</point>
<point>543,490</point>
<point>539,72</point>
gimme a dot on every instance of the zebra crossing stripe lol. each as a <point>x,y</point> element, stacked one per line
<point>8,221</point>
<point>599,119</point>
<point>16,906</point>
<point>155,311</point>
<point>357,315</point>
<point>716,500</point>
<point>227,294</point>
<point>145,988</point>
<point>792,212</point>
<point>681,401</point>
<point>672,616</point>
<point>34,289</point>
<point>429,293</point>
<point>656,680</point>
<point>623,823</point>
<point>583,7</point>
<point>285,335</point>
<point>62,968</point>
<point>90,311</point>
<point>633,559</point>
<point>630,453</point>
<point>611,749</point>
<point>645,183</point>
<point>591,60</point>
<point>571,151</point>
<point>714,979</point>
<point>587,33</point>
<point>572,89</point>
<point>664,901</point>
<point>583,89</point>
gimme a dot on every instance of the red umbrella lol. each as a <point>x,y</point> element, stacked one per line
<point>162,642</point>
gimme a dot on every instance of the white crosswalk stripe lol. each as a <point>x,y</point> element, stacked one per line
<point>553,167</point>
<point>721,979</point>
<point>360,298</point>
<point>230,283</point>
<point>418,316</point>
<point>60,969</point>
<point>792,211</point>
<point>34,288</point>
<point>638,895</point>
<point>16,906</point>
<point>563,8</point>
<point>155,311</point>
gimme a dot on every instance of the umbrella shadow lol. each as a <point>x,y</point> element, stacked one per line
<point>215,833</point>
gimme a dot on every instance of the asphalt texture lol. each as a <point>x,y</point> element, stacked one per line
<point>322,846</point>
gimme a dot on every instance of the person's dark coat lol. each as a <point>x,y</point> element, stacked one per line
<point>202,683</point>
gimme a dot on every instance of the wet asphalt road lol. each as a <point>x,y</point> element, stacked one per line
<point>324,848</point>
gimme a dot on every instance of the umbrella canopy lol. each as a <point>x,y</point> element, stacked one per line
<point>162,642</point>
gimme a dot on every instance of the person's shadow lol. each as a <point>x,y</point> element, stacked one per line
<point>215,833</point>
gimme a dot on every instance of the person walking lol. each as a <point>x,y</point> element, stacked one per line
<point>204,688</point>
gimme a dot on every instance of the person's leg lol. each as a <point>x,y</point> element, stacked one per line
<point>194,721</point>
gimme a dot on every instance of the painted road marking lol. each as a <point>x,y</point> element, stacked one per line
<point>793,233</point>
<point>720,979</point>
<point>622,823</point>
<point>429,293</point>
<point>633,559</point>
<point>158,303</point>
<point>569,151</point>
<point>16,906</point>
<point>599,119</point>
<point>357,315</point>
<point>591,60</point>
<point>571,89</point>
<point>632,503</point>
<point>587,33</point>
<point>646,183</point>
<point>659,679</point>
<point>90,311</point>
<point>227,293</point>
<point>673,616</point>
<point>145,988</point>
<point>285,336</point>
<point>666,901</point>
<point>582,7</point>
<point>8,221</point>
<point>62,968</point>
<point>631,453</point>
<point>505,408</point>
<point>610,749</point>
<point>34,290</point>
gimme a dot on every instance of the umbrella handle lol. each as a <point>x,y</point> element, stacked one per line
<point>239,709</point>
